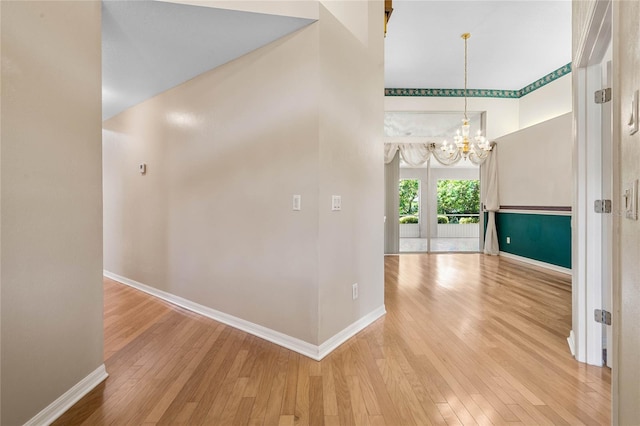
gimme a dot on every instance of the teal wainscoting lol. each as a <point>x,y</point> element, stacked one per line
<point>542,237</point>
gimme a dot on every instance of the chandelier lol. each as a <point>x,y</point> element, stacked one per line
<point>461,145</point>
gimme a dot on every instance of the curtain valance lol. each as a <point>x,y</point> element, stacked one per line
<point>417,154</point>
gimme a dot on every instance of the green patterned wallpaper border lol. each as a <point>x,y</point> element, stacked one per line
<point>483,93</point>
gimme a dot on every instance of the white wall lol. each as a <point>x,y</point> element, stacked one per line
<point>212,222</point>
<point>534,165</point>
<point>547,102</point>
<point>502,115</point>
<point>51,202</point>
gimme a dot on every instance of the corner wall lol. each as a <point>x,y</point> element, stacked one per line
<point>51,217</point>
<point>351,241</point>
<point>211,221</point>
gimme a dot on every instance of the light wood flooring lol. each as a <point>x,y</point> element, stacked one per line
<point>468,339</point>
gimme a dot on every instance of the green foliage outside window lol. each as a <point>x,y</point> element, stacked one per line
<point>409,197</point>
<point>459,197</point>
<point>409,219</point>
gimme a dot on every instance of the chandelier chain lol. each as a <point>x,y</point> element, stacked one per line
<point>465,77</point>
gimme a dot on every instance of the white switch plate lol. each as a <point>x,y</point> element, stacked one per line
<point>354,291</point>
<point>336,202</point>
<point>297,200</point>
<point>143,168</point>
<point>508,240</point>
<point>634,119</point>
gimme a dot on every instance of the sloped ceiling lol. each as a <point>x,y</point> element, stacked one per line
<point>151,46</point>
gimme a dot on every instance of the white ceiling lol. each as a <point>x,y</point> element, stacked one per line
<point>512,44</point>
<point>151,46</point>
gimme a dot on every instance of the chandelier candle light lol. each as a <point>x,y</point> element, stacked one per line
<point>481,147</point>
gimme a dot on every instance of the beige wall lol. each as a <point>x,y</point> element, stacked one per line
<point>547,102</point>
<point>351,164</point>
<point>212,222</point>
<point>535,165</point>
<point>626,42</point>
<point>51,202</point>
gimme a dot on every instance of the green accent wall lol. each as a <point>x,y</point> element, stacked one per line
<point>546,238</point>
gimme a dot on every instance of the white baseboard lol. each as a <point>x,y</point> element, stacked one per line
<point>331,344</point>
<point>300,346</point>
<point>536,263</point>
<point>70,397</point>
<point>572,343</point>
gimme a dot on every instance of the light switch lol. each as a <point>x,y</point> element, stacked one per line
<point>296,202</point>
<point>631,201</point>
<point>143,168</point>
<point>336,202</point>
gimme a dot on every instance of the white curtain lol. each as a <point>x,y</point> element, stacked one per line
<point>415,154</point>
<point>491,201</point>
<point>390,150</point>
<point>391,201</point>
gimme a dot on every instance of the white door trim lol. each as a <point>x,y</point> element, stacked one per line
<point>587,169</point>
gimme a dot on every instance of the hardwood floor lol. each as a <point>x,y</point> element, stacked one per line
<point>468,339</point>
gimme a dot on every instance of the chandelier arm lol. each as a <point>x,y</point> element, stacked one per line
<point>443,157</point>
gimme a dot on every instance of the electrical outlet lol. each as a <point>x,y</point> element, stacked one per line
<point>354,291</point>
<point>508,240</point>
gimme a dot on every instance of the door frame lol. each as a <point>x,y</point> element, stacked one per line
<point>585,339</point>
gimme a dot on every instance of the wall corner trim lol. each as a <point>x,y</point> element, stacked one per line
<point>537,263</point>
<point>58,407</point>
<point>300,346</point>
<point>571,340</point>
